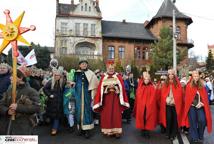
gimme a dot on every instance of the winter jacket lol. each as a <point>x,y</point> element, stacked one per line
<point>4,83</point>
<point>27,100</point>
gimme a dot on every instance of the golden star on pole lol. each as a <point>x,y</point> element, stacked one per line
<point>12,32</point>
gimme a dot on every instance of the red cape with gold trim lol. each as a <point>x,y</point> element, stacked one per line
<point>98,99</point>
<point>177,94</point>
<point>190,94</point>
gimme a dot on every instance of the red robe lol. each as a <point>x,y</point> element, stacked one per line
<point>145,106</point>
<point>110,105</point>
<point>158,99</point>
<point>177,94</point>
<point>190,95</point>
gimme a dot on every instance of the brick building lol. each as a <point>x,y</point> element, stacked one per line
<point>114,40</point>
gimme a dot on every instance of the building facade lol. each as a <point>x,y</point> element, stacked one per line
<point>78,29</point>
<point>81,31</point>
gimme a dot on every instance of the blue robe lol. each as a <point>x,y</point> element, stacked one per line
<point>83,113</point>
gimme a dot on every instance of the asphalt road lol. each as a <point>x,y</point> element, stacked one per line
<point>130,136</point>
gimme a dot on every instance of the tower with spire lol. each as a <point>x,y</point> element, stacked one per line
<point>163,18</point>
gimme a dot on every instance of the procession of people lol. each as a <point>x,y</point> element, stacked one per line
<point>80,96</point>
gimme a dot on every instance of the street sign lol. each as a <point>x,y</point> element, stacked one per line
<point>161,73</point>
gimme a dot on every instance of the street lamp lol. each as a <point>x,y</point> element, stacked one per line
<point>174,39</point>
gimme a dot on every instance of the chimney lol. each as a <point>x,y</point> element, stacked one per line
<point>97,3</point>
<point>124,21</point>
<point>72,2</point>
<point>57,7</point>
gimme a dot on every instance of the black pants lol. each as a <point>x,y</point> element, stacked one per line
<point>127,113</point>
<point>171,122</point>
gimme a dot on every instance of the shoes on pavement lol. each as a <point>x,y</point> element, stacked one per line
<point>71,129</point>
<point>53,132</point>
<point>117,136</point>
<point>87,134</point>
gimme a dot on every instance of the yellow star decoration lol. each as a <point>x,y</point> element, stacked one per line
<point>12,32</point>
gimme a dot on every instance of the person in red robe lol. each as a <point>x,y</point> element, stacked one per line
<point>197,114</point>
<point>145,109</point>
<point>158,96</point>
<point>110,101</point>
<point>171,105</point>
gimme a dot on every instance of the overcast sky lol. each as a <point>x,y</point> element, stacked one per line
<point>41,13</point>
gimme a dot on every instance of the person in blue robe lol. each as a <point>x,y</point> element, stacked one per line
<point>86,84</point>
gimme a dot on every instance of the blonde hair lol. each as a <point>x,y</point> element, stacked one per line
<point>175,83</point>
<point>53,81</point>
<point>199,83</point>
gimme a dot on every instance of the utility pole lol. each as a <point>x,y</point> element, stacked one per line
<point>174,40</point>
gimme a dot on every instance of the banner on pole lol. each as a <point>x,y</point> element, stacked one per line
<point>29,60</point>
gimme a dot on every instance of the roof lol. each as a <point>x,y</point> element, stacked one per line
<point>166,9</point>
<point>115,29</point>
<point>66,8</point>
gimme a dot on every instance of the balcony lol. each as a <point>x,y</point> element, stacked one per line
<point>64,33</point>
<point>189,43</point>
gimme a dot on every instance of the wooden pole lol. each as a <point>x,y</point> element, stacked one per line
<point>14,82</point>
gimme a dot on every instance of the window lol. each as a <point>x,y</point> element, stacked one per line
<point>89,9</point>
<point>178,32</point>
<point>85,29</point>
<point>77,29</point>
<point>86,7</point>
<point>93,29</point>
<point>64,27</point>
<point>121,52</point>
<point>138,53</point>
<point>81,8</point>
<point>63,43</point>
<point>110,52</point>
<point>63,50</point>
<point>145,54</point>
